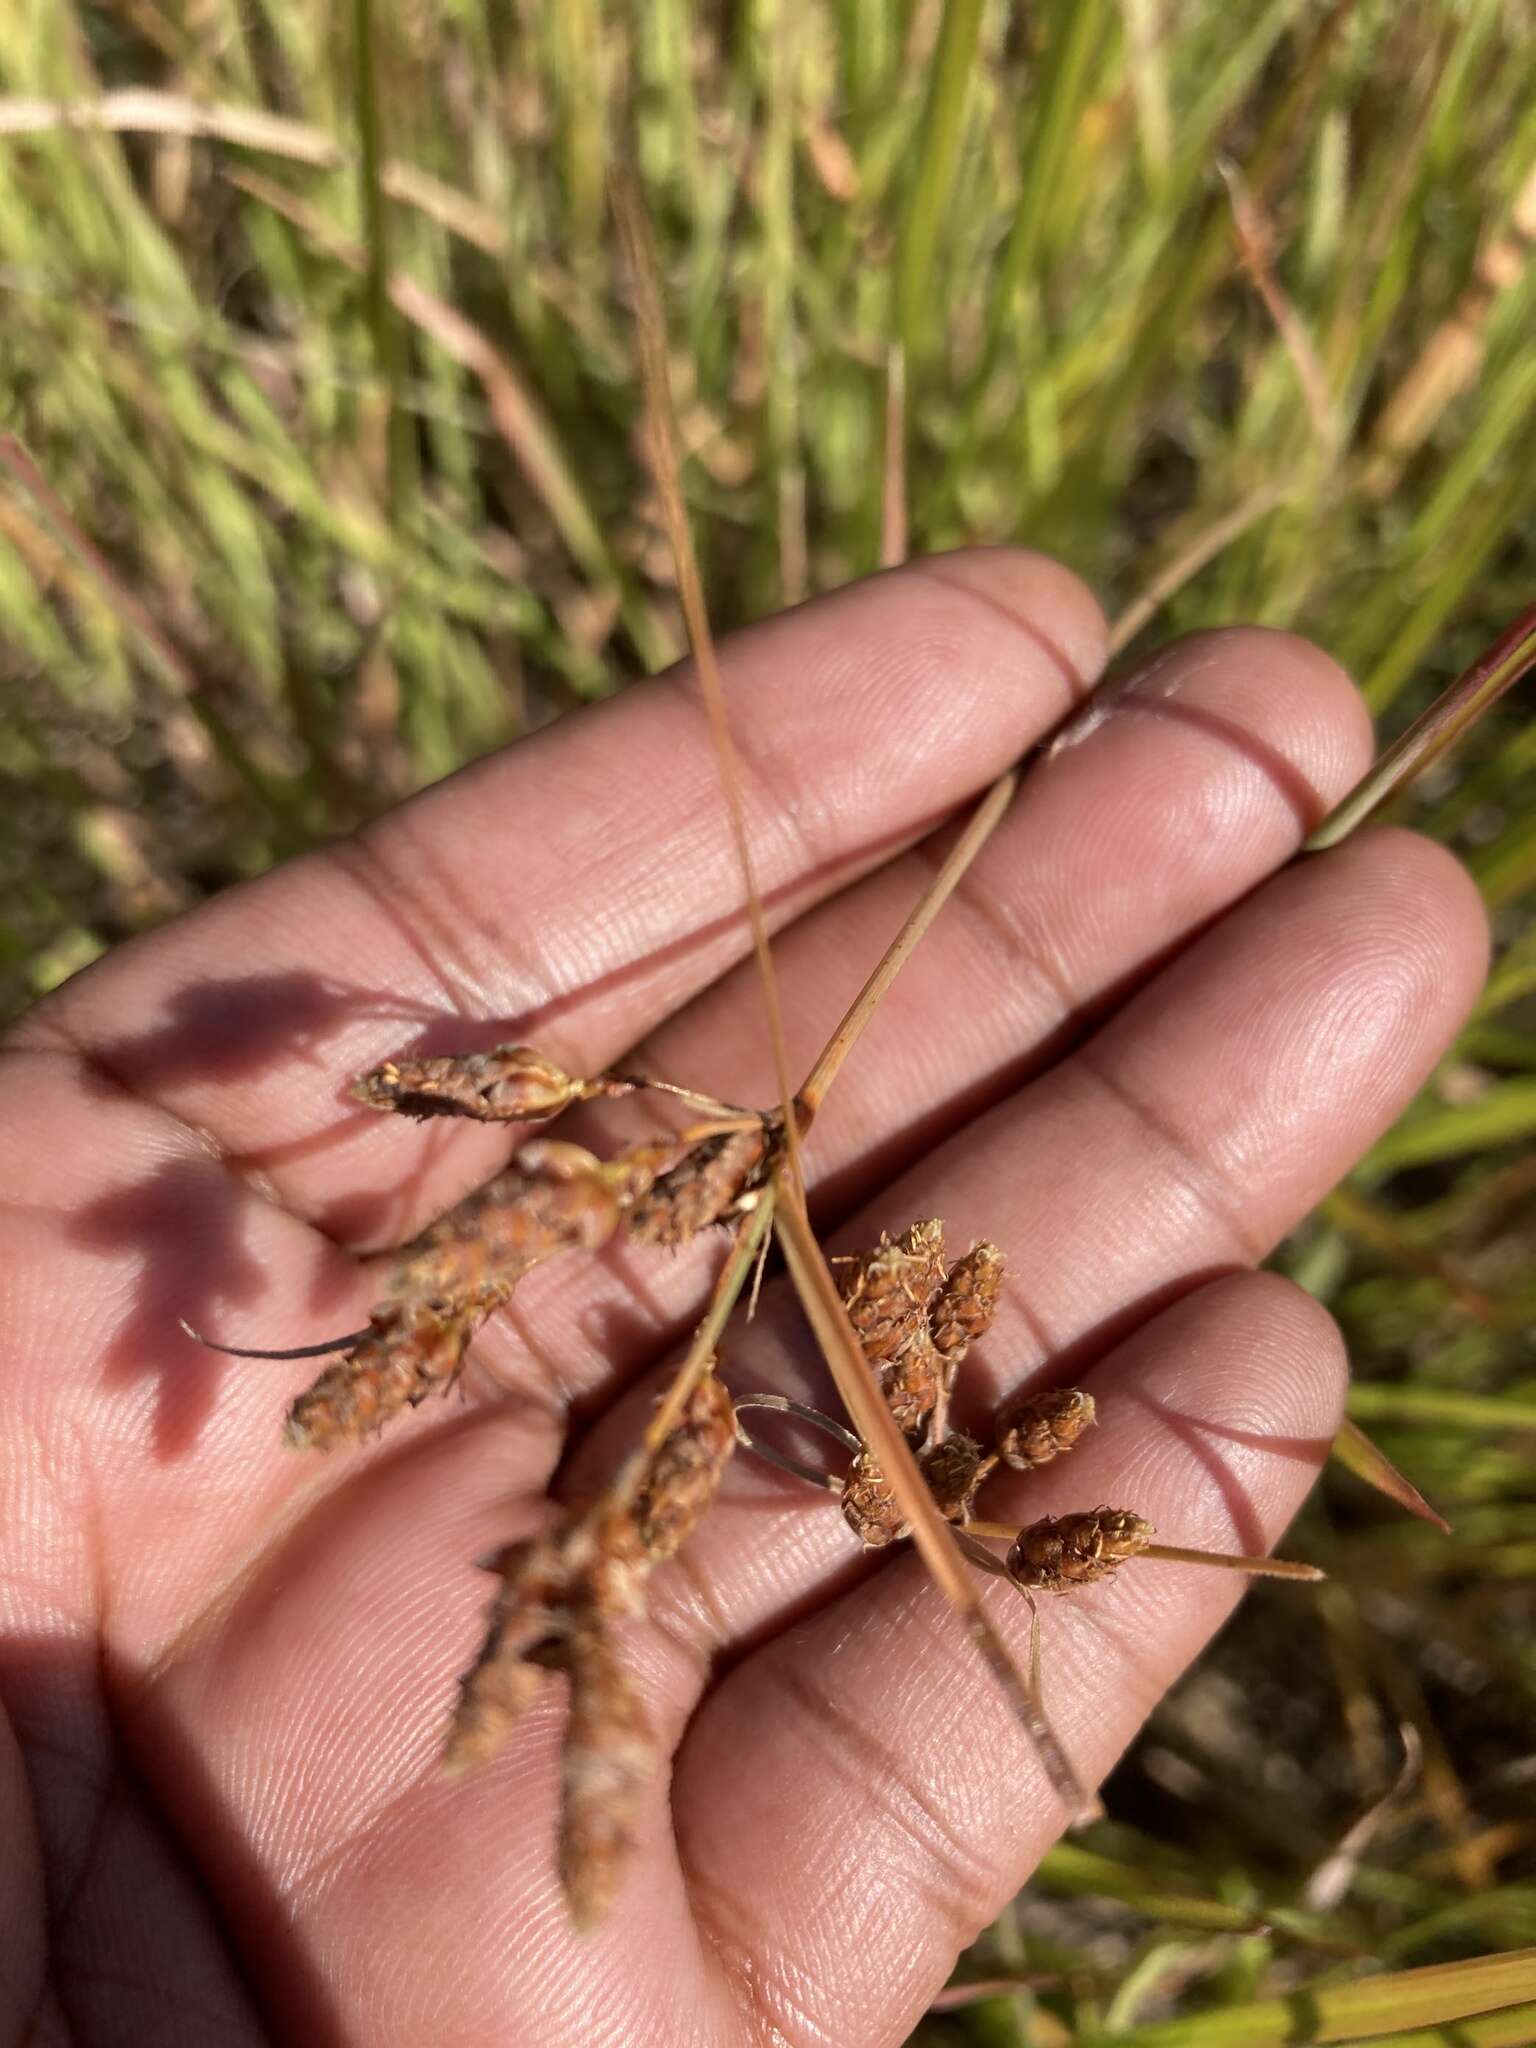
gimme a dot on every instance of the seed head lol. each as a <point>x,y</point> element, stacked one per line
<point>1058,1553</point>
<point>954,1468</point>
<point>967,1302</point>
<point>531,1623</point>
<point>869,1505</point>
<point>1039,1427</point>
<point>606,1764</point>
<point>413,1349</point>
<point>683,1480</point>
<point>887,1291</point>
<point>701,1189</point>
<point>512,1084</point>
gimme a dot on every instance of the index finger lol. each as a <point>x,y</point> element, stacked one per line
<point>577,887</point>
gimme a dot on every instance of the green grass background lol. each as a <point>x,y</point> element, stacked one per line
<point>320,474</point>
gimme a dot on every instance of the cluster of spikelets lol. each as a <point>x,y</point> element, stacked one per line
<point>915,1316</point>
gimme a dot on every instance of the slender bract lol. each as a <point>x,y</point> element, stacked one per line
<point>651,334</point>
<point>1474,691</point>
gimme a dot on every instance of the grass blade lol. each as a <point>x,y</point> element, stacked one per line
<point>1355,1451</point>
<point>1427,2008</point>
<point>938,155</point>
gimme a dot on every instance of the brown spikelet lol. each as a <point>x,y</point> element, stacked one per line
<point>511,1084</point>
<point>869,1505</point>
<point>1058,1553</point>
<point>606,1764</point>
<point>413,1349</point>
<point>1039,1427</point>
<point>531,1623</point>
<point>887,1293</point>
<point>910,1383</point>
<point>954,1469</point>
<point>554,1197</point>
<point>684,1478</point>
<point>967,1302</point>
<point>559,1599</point>
<point>702,1189</point>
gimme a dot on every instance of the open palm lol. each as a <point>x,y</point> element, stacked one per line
<point>1130,1053</point>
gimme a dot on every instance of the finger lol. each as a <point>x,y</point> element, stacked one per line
<point>1179,788</point>
<point>578,886</point>
<point>862,1772</point>
<point>1185,1138</point>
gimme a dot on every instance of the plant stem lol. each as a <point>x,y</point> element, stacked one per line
<point>1474,690</point>
<point>983,821</point>
<point>698,1360</point>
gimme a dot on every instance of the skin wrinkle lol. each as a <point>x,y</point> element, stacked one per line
<point>1018,941</point>
<point>759,1999</point>
<point>879,1774</point>
<point>1077,684</point>
<point>771,1997</point>
<point>1207,1182</point>
<point>785,810</point>
<point>330,1484</point>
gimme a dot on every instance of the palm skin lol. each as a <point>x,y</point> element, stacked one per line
<point>1131,1052</point>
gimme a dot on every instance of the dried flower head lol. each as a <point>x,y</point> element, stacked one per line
<point>554,1197</point>
<point>1058,1553</point>
<point>1039,1427</point>
<point>511,1084</point>
<point>683,1479</point>
<point>869,1505</point>
<point>412,1349</point>
<point>967,1302</point>
<point>532,1618</point>
<point>703,1188</point>
<point>888,1293</point>
<point>954,1469</point>
<point>560,1597</point>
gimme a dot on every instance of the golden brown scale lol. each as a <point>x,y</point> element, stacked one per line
<point>1059,1553</point>
<point>702,1189</point>
<point>511,1084</point>
<point>1032,1431</point>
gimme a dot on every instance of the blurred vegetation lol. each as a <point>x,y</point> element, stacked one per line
<point>319,474</point>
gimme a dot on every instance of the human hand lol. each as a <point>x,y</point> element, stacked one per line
<point>1129,1051</point>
